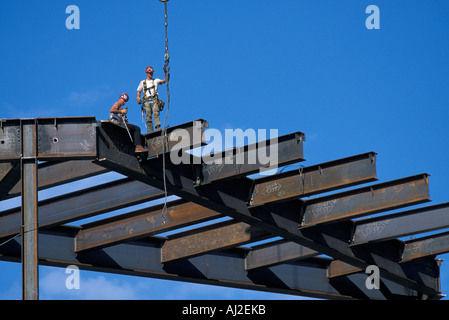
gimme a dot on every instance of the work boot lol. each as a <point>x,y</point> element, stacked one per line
<point>140,149</point>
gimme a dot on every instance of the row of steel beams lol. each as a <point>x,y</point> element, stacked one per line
<point>275,219</point>
<point>228,234</point>
<point>214,190</point>
<point>356,163</point>
<point>142,258</point>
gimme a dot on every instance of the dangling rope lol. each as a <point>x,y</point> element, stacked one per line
<point>166,119</point>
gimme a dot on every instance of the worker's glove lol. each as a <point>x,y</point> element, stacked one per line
<point>124,111</point>
<point>139,101</point>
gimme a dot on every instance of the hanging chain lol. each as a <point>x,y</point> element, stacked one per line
<point>166,119</point>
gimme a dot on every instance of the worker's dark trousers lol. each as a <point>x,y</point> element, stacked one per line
<point>135,132</point>
<point>133,129</point>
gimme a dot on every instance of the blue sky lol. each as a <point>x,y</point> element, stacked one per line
<point>292,65</point>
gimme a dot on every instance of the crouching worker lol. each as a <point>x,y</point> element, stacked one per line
<point>117,115</point>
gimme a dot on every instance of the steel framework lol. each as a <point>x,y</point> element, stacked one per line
<point>316,246</point>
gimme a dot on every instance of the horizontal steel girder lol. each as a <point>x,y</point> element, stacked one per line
<point>315,179</point>
<point>52,174</point>
<point>401,224</point>
<point>218,236</point>
<point>368,200</point>
<point>277,252</point>
<point>141,223</point>
<point>232,201</point>
<point>241,161</point>
<point>142,258</point>
<point>184,136</point>
<point>426,246</point>
<point>82,204</point>
<point>57,138</point>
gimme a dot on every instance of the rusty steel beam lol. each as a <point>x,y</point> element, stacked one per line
<point>142,258</point>
<point>82,204</point>
<point>218,236</point>
<point>141,223</point>
<point>425,246</point>
<point>233,202</point>
<point>401,224</point>
<point>338,268</point>
<point>241,161</point>
<point>275,253</point>
<point>178,138</point>
<point>368,200</point>
<point>188,135</point>
<point>10,139</point>
<point>52,174</point>
<point>67,138</point>
<point>62,138</point>
<point>315,179</point>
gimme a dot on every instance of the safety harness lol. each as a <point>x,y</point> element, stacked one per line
<point>148,89</point>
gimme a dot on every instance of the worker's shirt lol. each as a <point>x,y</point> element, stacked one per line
<point>151,87</point>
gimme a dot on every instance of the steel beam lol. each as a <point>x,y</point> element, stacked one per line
<point>233,202</point>
<point>178,138</point>
<point>142,258</point>
<point>82,204</point>
<point>181,137</point>
<point>426,246</point>
<point>338,268</point>
<point>52,174</point>
<point>67,138</point>
<point>141,223</point>
<point>10,139</point>
<point>401,224</point>
<point>315,179</point>
<point>368,200</point>
<point>218,236</point>
<point>275,253</point>
<point>29,211</point>
<point>246,160</point>
<point>57,138</point>
<point>9,176</point>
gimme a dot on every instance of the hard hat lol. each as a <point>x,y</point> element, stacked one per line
<point>124,96</point>
<point>149,69</point>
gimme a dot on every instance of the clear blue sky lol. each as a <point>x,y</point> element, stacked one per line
<point>291,65</point>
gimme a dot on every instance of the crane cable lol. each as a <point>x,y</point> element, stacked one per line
<point>166,119</point>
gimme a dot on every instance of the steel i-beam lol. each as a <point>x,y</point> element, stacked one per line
<point>30,267</point>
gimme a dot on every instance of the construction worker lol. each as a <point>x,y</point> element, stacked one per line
<point>151,104</point>
<point>117,115</point>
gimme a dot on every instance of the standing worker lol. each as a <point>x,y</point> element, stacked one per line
<point>117,115</point>
<point>151,104</point>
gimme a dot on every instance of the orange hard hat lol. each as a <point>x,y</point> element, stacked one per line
<point>124,96</point>
<point>149,69</point>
